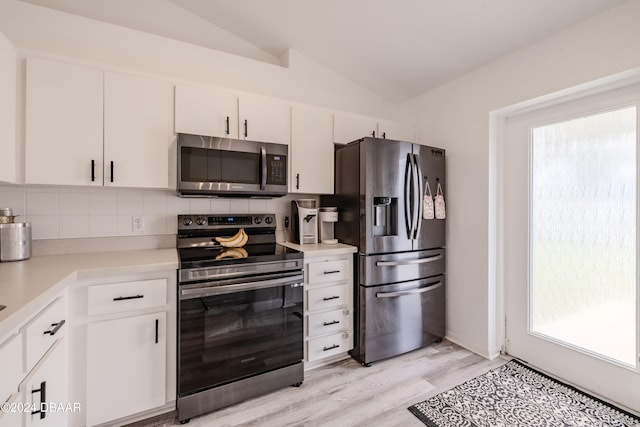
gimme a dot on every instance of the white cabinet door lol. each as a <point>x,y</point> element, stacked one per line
<point>126,366</point>
<point>394,130</point>
<point>264,119</point>
<point>8,64</point>
<point>136,131</point>
<point>63,124</point>
<point>349,127</point>
<point>12,417</point>
<point>206,111</point>
<point>11,362</point>
<point>45,389</point>
<point>311,151</point>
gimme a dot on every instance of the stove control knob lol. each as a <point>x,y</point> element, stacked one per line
<point>257,220</point>
<point>187,221</point>
<point>201,220</point>
<point>268,220</point>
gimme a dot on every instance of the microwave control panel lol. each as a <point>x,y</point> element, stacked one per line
<point>276,169</point>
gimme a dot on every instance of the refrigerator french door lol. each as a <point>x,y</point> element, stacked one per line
<point>381,187</point>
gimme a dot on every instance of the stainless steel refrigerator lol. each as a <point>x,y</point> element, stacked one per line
<point>380,192</point>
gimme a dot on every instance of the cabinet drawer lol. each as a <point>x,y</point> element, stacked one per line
<point>43,331</point>
<point>330,321</point>
<point>119,297</point>
<point>319,348</point>
<point>331,296</point>
<point>11,362</point>
<point>328,271</point>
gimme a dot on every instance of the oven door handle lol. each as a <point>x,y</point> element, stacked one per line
<point>210,288</point>
<point>434,286</point>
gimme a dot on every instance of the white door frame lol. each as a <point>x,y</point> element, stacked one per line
<point>497,144</point>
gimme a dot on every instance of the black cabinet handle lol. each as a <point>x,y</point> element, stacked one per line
<point>112,171</point>
<point>227,130</point>
<point>330,298</point>
<point>93,170</point>
<point>43,400</point>
<point>333,322</point>
<point>56,328</point>
<point>330,348</point>
<point>156,331</point>
<point>331,272</point>
<point>297,181</point>
<point>126,298</point>
<point>246,129</point>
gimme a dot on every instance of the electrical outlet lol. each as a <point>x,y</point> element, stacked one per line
<point>137,224</point>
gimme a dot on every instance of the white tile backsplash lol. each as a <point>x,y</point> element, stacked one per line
<point>130,203</point>
<point>80,212</point>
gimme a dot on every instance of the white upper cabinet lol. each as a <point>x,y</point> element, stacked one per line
<point>136,132</point>
<point>311,150</point>
<point>394,130</point>
<point>64,124</point>
<point>206,111</point>
<point>349,127</point>
<point>264,119</point>
<point>75,114</point>
<point>8,65</point>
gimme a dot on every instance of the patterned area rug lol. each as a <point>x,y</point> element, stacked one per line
<point>516,395</point>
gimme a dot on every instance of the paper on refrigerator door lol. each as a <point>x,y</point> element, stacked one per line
<point>427,208</point>
<point>439,203</point>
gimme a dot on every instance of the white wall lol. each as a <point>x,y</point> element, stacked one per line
<point>455,116</point>
<point>7,109</point>
<point>35,28</point>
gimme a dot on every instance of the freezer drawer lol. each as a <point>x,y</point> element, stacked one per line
<point>395,319</point>
<point>400,267</point>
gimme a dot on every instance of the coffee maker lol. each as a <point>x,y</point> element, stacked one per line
<point>305,221</point>
<point>328,217</point>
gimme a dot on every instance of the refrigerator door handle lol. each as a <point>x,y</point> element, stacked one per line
<point>409,262</point>
<point>420,196</point>
<point>408,210</point>
<point>433,286</point>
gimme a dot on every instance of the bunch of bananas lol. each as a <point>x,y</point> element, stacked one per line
<point>233,253</point>
<point>238,240</point>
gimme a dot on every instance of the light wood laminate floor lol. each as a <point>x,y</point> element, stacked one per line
<point>348,394</point>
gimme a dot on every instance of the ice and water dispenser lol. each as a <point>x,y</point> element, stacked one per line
<point>385,216</point>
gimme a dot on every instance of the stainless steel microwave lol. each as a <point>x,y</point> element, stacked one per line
<point>211,166</point>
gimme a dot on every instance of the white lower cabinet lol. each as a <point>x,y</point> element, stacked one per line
<point>34,379</point>
<point>123,347</point>
<point>328,305</point>
<point>126,366</point>
<point>45,390</point>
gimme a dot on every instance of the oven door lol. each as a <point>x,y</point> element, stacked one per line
<point>220,166</point>
<point>238,330</point>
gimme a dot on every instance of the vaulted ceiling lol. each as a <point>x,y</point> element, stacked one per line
<point>395,48</point>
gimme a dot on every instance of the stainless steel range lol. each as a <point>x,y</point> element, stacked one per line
<point>240,331</point>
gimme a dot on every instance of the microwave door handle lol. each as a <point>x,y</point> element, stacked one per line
<point>263,169</point>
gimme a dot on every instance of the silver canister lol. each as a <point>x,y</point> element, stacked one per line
<point>15,241</point>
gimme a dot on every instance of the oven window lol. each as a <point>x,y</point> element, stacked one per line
<point>228,337</point>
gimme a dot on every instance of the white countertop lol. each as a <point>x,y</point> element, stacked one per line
<point>318,249</point>
<point>26,285</point>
